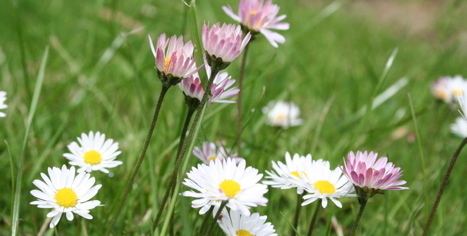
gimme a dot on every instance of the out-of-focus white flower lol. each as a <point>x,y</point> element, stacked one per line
<point>65,193</point>
<point>93,152</point>
<point>234,223</point>
<point>3,105</point>
<point>449,89</point>
<point>282,114</point>
<point>209,151</point>
<point>459,127</point>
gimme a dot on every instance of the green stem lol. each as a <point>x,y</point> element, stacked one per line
<point>443,185</point>
<point>240,97</point>
<point>173,177</point>
<point>363,202</point>
<point>311,227</point>
<point>139,161</point>
<point>218,214</point>
<point>298,208</point>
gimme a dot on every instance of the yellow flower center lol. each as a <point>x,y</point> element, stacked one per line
<point>440,93</point>
<point>230,187</point>
<point>296,174</point>
<point>242,232</point>
<point>92,157</point>
<point>281,117</point>
<point>325,187</point>
<point>167,62</point>
<point>457,92</point>
<point>66,197</point>
<point>212,158</point>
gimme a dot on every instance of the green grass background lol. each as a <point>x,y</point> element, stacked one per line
<point>98,77</point>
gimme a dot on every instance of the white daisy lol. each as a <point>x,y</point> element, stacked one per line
<point>459,127</point>
<point>289,174</point>
<point>93,152</point>
<point>65,193</point>
<point>228,181</point>
<point>2,103</point>
<point>236,224</point>
<point>449,89</point>
<point>214,151</point>
<point>282,114</point>
<point>322,183</point>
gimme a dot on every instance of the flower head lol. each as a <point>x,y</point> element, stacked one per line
<point>367,171</point>
<point>260,16</point>
<point>2,103</point>
<point>93,152</point>
<point>234,223</point>
<point>459,127</point>
<point>228,181</point>
<point>323,183</point>
<point>64,192</point>
<point>223,43</point>
<point>291,173</point>
<point>449,89</point>
<point>282,114</point>
<point>174,58</point>
<point>209,152</point>
<point>221,88</point>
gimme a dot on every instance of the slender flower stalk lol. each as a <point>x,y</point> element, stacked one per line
<point>298,208</point>
<point>443,185</point>
<point>216,217</point>
<point>240,96</point>
<point>311,226</point>
<point>362,200</point>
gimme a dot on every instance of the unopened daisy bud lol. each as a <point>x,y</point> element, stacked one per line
<point>282,114</point>
<point>449,89</point>
<point>93,152</point>
<point>234,223</point>
<point>173,58</point>
<point>225,181</point>
<point>3,105</point>
<point>260,16</point>
<point>65,192</point>
<point>209,152</point>
<point>371,175</point>
<point>223,43</point>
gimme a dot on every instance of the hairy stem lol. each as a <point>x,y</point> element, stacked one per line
<point>443,185</point>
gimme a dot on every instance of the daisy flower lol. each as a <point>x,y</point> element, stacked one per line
<point>260,16</point>
<point>282,114</point>
<point>2,103</point>
<point>223,42</point>
<point>173,58</point>
<point>64,192</point>
<point>366,171</point>
<point>449,89</point>
<point>289,174</point>
<point>93,152</point>
<point>459,127</point>
<point>323,183</point>
<point>214,151</point>
<point>234,223</point>
<point>228,181</point>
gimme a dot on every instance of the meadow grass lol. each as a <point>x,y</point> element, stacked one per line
<point>99,75</point>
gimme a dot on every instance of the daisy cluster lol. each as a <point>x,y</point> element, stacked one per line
<point>69,191</point>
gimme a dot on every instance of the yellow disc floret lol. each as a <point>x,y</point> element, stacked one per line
<point>229,187</point>
<point>92,157</point>
<point>66,197</point>
<point>325,187</point>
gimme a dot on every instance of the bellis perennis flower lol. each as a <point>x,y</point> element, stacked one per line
<point>93,152</point>
<point>323,183</point>
<point>291,173</point>
<point>66,193</point>
<point>209,152</point>
<point>233,223</point>
<point>449,89</point>
<point>2,103</point>
<point>282,114</point>
<point>368,172</point>
<point>228,181</point>
<point>260,16</point>
<point>223,43</point>
<point>174,58</point>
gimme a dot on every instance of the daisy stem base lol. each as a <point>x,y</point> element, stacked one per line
<point>311,226</point>
<point>443,185</point>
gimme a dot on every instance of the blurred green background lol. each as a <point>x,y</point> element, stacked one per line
<point>100,76</point>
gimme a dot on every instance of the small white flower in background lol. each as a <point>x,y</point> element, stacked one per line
<point>209,151</point>
<point>233,223</point>
<point>289,174</point>
<point>65,193</point>
<point>459,127</point>
<point>225,181</point>
<point>2,103</point>
<point>93,152</point>
<point>282,114</point>
<point>322,183</point>
<point>449,89</point>
<point>260,16</point>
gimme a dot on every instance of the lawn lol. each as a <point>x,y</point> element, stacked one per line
<point>96,72</point>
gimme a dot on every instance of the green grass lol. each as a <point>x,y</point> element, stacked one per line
<point>98,76</point>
